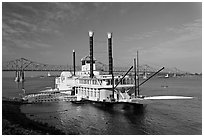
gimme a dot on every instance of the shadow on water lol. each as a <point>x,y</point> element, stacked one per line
<point>133,116</point>
<point>122,108</point>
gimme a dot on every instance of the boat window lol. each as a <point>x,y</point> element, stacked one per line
<point>94,82</point>
<point>97,82</point>
<point>108,81</point>
<point>131,82</point>
<point>116,81</point>
<point>124,81</point>
<point>83,62</point>
<point>127,80</point>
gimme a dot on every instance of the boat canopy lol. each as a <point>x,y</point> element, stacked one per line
<point>66,74</point>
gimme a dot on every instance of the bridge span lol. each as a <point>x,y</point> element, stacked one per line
<point>21,65</point>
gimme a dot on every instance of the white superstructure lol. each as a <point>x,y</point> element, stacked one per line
<point>98,88</point>
<point>89,84</point>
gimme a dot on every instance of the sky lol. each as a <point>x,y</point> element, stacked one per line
<point>165,34</point>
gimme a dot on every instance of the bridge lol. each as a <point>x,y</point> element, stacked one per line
<point>28,65</point>
<point>21,65</point>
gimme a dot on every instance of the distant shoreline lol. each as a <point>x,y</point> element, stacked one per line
<point>14,122</point>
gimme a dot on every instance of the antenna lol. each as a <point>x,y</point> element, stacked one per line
<point>113,81</point>
<point>138,89</point>
<point>135,77</point>
<point>74,61</point>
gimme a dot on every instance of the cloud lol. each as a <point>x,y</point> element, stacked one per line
<point>25,24</point>
<point>173,43</point>
<point>194,27</point>
<point>6,51</point>
<point>42,45</point>
<point>172,38</point>
<point>185,33</point>
<point>141,36</point>
<point>186,43</point>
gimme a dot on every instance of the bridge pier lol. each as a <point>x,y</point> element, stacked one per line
<point>22,76</point>
<point>19,76</point>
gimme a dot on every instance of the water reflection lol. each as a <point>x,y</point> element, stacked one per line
<point>156,118</point>
<point>89,119</point>
<point>118,115</point>
<point>21,88</point>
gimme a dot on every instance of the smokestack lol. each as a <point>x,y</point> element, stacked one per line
<point>74,61</point>
<point>91,53</point>
<point>110,58</point>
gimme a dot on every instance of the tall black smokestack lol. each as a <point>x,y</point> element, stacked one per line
<point>91,53</point>
<point>74,61</point>
<point>110,57</point>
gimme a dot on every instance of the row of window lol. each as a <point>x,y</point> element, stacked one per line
<point>86,81</point>
<point>108,81</point>
<point>89,92</point>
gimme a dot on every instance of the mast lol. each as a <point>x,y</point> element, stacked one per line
<point>135,77</point>
<point>138,89</point>
<point>112,81</point>
<point>74,61</point>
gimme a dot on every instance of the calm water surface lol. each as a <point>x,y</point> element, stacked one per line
<point>173,117</point>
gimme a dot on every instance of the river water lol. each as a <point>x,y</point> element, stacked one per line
<point>160,117</point>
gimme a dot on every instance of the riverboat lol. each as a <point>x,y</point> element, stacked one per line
<point>89,85</point>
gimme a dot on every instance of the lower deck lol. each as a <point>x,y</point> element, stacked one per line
<point>94,94</point>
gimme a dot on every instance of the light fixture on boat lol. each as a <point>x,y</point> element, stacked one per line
<point>91,33</point>
<point>109,35</point>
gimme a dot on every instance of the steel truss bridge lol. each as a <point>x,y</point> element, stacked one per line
<point>21,65</point>
<point>28,65</point>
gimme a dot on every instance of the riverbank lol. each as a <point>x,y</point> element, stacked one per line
<point>16,123</point>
